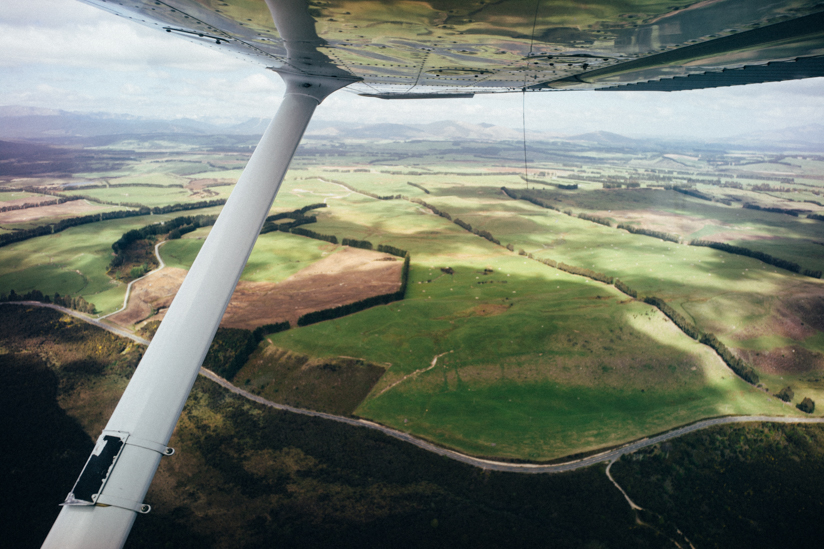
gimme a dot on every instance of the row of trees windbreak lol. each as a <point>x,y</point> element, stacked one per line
<point>28,205</point>
<point>63,224</point>
<point>742,369</point>
<point>76,303</point>
<point>791,266</point>
<point>761,256</point>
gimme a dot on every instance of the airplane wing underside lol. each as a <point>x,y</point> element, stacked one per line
<point>443,47</point>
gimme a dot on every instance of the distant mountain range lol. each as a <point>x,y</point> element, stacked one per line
<point>18,122</point>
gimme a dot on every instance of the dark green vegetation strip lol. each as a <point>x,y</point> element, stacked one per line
<point>421,187</point>
<point>761,256</point>
<point>29,205</point>
<point>535,197</point>
<point>294,481</point>
<point>754,485</point>
<point>785,211</point>
<point>230,350</point>
<point>76,303</point>
<point>435,210</point>
<point>300,482</point>
<point>744,370</point>
<point>649,232</point>
<point>298,217</point>
<point>362,244</point>
<point>312,234</point>
<point>178,225</point>
<point>64,224</point>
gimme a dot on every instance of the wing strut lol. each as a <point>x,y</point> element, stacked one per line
<point>109,493</point>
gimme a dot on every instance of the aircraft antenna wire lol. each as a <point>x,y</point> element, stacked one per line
<point>523,90</point>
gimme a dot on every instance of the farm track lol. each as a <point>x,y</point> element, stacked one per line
<point>486,464</point>
<point>160,267</point>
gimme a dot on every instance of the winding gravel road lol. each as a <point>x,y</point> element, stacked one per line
<point>161,265</point>
<point>492,465</point>
<point>488,464</point>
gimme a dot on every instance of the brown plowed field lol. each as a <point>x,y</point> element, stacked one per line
<point>200,184</point>
<point>73,208</point>
<point>28,200</point>
<point>346,276</point>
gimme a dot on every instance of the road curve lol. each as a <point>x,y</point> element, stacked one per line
<point>492,465</point>
<point>487,464</point>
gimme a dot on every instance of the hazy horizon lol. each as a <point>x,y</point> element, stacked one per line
<point>62,54</point>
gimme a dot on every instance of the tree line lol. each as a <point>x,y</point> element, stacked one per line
<point>421,187</point>
<point>161,228</point>
<point>741,368</point>
<point>287,227</point>
<point>738,250</point>
<point>354,243</point>
<point>298,216</point>
<point>595,219</point>
<point>312,234</point>
<point>27,205</point>
<point>63,224</point>
<point>761,256</point>
<point>630,184</point>
<point>180,206</point>
<point>367,193</point>
<point>435,210</point>
<point>267,329</point>
<point>479,232</point>
<point>357,306</point>
<point>689,191</point>
<point>751,206</point>
<point>529,196</point>
<point>566,187</point>
<point>649,232</point>
<point>626,289</point>
<point>387,249</point>
<point>583,271</point>
<point>76,303</point>
<point>229,351</point>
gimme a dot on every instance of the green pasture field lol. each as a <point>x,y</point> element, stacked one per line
<point>180,166</point>
<point>275,257</point>
<point>148,196</point>
<point>6,196</point>
<point>167,179</point>
<point>73,261</point>
<point>540,363</point>
<point>764,231</point>
<point>537,335</point>
<point>697,280</point>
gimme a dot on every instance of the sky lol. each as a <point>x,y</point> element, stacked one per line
<point>63,54</point>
